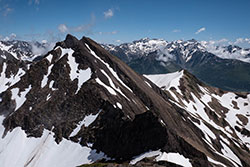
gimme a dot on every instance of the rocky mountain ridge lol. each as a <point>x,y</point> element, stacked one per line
<point>80,96</point>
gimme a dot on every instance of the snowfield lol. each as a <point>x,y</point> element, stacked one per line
<point>166,81</point>
<point>18,150</point>
<point>175,158</point>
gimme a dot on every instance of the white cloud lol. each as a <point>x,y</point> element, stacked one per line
<point>118,41</point>
<point>217,47</point>
<point>176,30</point>
<point>36,2</point>
<point>41,50</point>
<point>221,42</point>
<point>80,28</point>
<point>163,55</point>
<point>108,14</point>
<point>6,10</point>
<point>63,28</point>
<point>107,33</point>
<point>44,41</point>
<point>11,37</point>
<point>200,30</point>
<point>242,41</point>
<point>87,28</point>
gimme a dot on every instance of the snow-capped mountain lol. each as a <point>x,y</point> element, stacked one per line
<point>80,105</point>
<point>217,66</point>
<point>18,49</point>
<point>22,50</point>
<point>136,49</point>
<point>179,51</point>
<point>228,52</point>
<point>145,46</point>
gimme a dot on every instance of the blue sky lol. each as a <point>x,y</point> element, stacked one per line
<point>115,21</point>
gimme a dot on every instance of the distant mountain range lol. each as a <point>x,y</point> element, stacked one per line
<point>226,67</point>
<point>145,46</point>
<point>23,50</point>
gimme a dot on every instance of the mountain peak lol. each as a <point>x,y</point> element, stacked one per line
<point>70,41</point>
<point>232,48</point>
<point>192,40</point>
<point>82,97</point>
<point>145,39</point>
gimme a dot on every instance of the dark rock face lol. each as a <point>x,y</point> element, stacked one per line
<point>150,65</point>
<point>134,115</point>
<point>123,139</point>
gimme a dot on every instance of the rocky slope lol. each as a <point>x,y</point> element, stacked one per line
<point>11,68</point>
<point>223,67</point>
<point>222,116</point>
<point>79,104</point>
<point>15,59</point>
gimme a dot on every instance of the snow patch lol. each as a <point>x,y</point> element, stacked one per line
<point>89,119</point>
<point>49,58</point>
<point>81,75</point>
<point>148,84</point>
<point>19,97</point>
<point>111,91</point>
<point>175,158</point>
<point>48,97</point>
<point>65,51</point>
<point>3,56</point>
<point>108,66</point>
<point>167,80</point>
<point>144,155</point>
<point>162,122</point>
<point>51,85</point>
<point>45,77</point>
<point>215,162</point>
<point>113,85</point>
<point>230,155</point>
<point>119,105</point>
